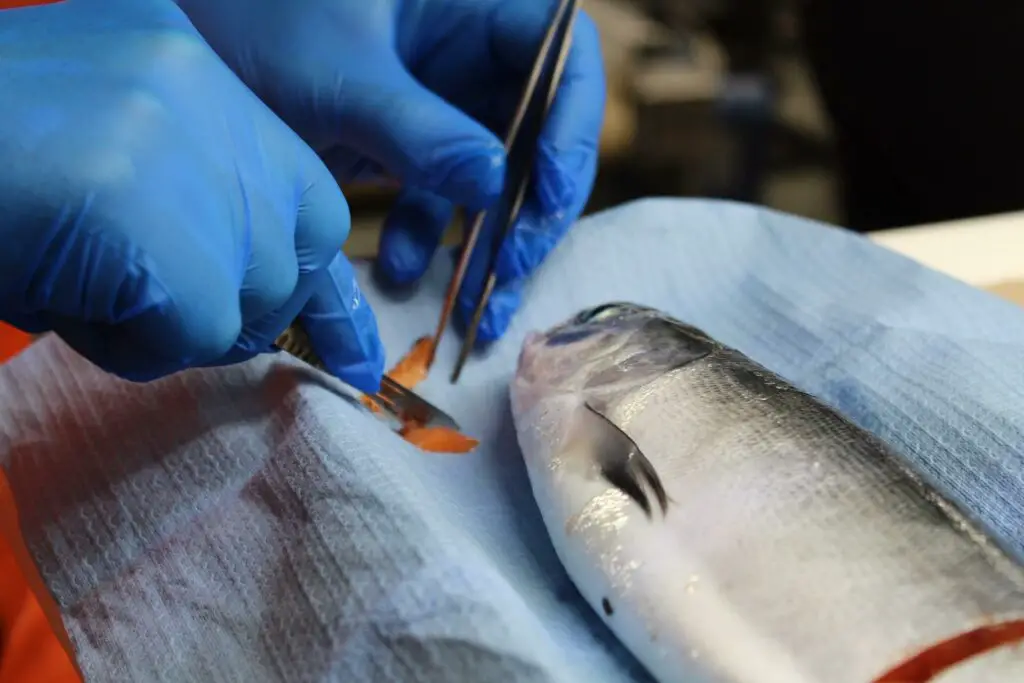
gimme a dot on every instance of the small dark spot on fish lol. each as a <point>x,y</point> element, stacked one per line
<point>607,607</point>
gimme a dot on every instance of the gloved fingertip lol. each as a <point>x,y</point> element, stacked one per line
<point>365,376</point>
<point>344,330</point>
<point>360,364</point>
<point>412,232</point>
<point>492,180</point>
<point>402,260</point>
<point>475,180</point>
<point>364,369</point>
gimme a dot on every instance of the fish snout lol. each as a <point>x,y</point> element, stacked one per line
<point>528,353</point>
<point>533,340</point>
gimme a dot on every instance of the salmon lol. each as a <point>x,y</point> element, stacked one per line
<point>730,528</point>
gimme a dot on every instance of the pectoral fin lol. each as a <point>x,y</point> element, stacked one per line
<point>623,464</point>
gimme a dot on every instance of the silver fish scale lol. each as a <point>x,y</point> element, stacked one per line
<point>829,562</point>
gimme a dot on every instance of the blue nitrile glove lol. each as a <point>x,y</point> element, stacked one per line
<point>153,212</point>
<point>418,88</point>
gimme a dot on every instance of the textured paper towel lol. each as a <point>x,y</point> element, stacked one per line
<point>249,524</point>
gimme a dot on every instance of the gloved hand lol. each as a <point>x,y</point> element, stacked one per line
<point>156,214</point>
<point>419,88</point>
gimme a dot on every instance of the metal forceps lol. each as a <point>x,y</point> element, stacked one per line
<point>520,148</point>
<point>402,403</point>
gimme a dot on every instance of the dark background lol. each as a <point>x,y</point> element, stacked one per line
<point>864,113</point>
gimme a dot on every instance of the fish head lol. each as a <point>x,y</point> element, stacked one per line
<point>612,347</point>
<point>572,379</point>
<point>601,354</point>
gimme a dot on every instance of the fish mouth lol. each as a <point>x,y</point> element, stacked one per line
<point>526,365</point>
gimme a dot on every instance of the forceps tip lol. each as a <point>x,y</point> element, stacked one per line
<point>473,329</point>
<point>559,31</point>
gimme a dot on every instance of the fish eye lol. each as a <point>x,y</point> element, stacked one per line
<point>602,312</point>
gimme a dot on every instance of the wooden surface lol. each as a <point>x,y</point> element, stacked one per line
<point>987,252</point>
<point>1012,290</point>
